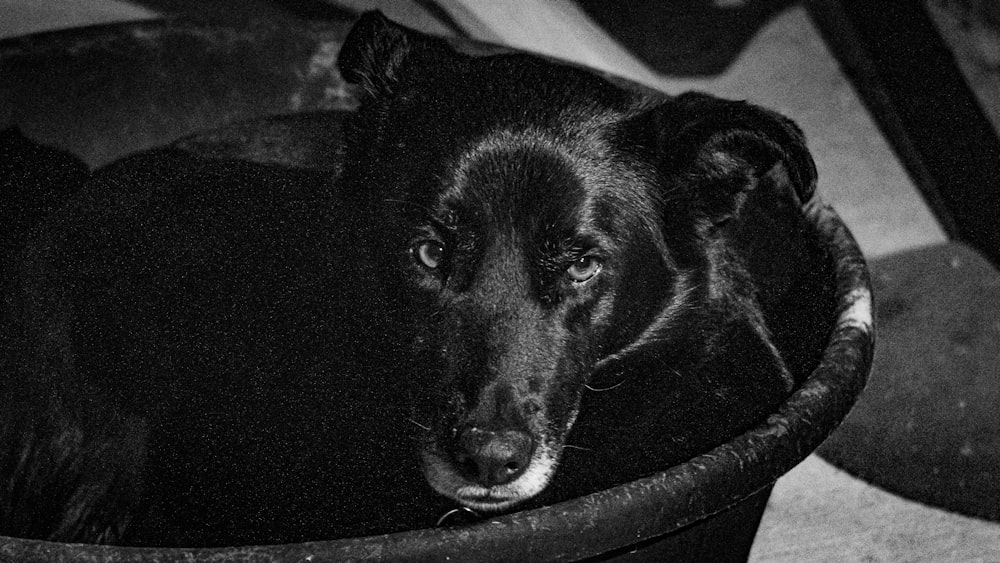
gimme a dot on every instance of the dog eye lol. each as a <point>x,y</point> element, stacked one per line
<point>584,268</point>
<point>430,253</point>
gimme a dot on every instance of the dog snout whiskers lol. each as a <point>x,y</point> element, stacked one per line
<point>602,389</point>
<point>460,515</point>
<point>423,427</point>
<point>494,457</point>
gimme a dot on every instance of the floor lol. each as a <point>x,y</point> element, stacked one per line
<point>816,513</point>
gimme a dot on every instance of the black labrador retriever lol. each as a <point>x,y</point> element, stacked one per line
<point>516,284</point>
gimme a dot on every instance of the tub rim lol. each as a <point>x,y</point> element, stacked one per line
<point>597,523</point>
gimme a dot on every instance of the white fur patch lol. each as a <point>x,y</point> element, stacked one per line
<point>448,482</point>
<point>859,313</point>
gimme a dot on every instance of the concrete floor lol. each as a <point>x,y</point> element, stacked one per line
<point>816,513</point>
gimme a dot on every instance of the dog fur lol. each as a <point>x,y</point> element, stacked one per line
<point>517,283</point>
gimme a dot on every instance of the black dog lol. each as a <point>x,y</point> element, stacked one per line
<point>521,284</point>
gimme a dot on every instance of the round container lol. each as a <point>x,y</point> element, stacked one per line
<point>102,92</point>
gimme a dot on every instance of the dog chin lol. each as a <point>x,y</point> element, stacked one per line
<point>446,480</point>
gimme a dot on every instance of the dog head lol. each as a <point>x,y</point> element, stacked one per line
<point>543,224</point>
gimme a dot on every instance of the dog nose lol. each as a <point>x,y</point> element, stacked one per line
<point>491,457</point>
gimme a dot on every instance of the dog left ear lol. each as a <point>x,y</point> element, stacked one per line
<point>377,51</point>
<point>715,152</point>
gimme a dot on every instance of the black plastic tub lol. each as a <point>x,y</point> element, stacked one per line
<point>106,91</point>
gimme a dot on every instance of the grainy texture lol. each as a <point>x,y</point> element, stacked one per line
<point>818,513</point>
<point>691,491</point>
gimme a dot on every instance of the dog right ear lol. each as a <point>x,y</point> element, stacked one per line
<point>377,52</point>
<point>712,153</point>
